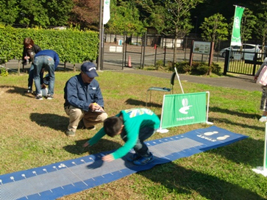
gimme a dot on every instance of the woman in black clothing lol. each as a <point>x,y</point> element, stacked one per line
<point>29,51</point>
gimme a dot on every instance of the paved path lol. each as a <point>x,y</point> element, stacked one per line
<point>237,81</point>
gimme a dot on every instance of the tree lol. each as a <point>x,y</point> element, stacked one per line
<point>124,17</point>
<point>214,29</point>
<point>177,18</point>
<point>261,26</point>
<point>151,13</point>
<point>85,14</point>
<point>58,11</point>
<point>32,13</point>
<point>247,25</point>
<point>9,11</point>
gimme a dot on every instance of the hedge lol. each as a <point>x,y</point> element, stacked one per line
<point>72,46</point>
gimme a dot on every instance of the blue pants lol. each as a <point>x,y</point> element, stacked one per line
<point>31,74</point>
<point>140,147</point>
<point>48,63</point>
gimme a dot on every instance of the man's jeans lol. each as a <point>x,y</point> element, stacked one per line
<point>31,74</point>
<point>140,147</point>
<point>48,63</point>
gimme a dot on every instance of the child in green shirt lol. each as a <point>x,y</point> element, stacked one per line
<point>134,125</point>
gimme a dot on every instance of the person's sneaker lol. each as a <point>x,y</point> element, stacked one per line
<point>28,91</point>
<point>133,157</point>
<point>144,160</point>
<point>49,97</point>
<point>263,119</point>
<point>70,133</point>
<point>39,97</point>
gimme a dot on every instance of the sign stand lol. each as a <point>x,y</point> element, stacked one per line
<point>161,130</point>
<point>263,170</point>
<point>170,118</point>
<point>184,109</point>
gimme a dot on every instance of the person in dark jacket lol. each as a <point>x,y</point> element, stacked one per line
<point>49,60</point>
<point>84,100</point>
<point>29,51</point>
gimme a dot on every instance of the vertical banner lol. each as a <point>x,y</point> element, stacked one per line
<point>106,13</point>
<point>236,37</point>
<point>184,109</point>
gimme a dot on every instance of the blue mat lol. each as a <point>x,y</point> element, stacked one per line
<point>71,176</point>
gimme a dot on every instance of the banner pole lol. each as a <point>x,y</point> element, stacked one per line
<point>160,130</point>
<point>208,105</point>
<point>179,80</point>
<point>265,146</point>
<point>263,170</point>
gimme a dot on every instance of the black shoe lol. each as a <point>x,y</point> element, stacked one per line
<point>144,160</point>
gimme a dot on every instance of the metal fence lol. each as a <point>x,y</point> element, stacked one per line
<point>241,62</point>
<point>149,49</point>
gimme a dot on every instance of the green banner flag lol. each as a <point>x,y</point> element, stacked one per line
<point>184,109</point>
<point>236,37</point>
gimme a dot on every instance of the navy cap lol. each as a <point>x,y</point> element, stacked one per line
<point>90,69</point>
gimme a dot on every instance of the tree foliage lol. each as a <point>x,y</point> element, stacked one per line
<point>31,13</point>
<point>177,15</point>
<point>124,18</point>
<point>261,26</point>
<point>177,18</point>
<point>214,28</point>
<point>85,14</point>
<point>9,11</point>
<point>247,25</point>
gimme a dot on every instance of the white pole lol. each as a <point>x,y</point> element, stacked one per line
<point>265,146</point>
<point>263,170</point>
<point>179,80</point>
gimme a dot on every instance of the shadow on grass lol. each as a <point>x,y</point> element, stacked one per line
<point>227,121</point>
<point>249,152</point>
<point>194,183</point>
<point>53,121</point>
<point>102,146</point>
<point>135,102</point>
<point>231,112</point>
<point>15,89</point>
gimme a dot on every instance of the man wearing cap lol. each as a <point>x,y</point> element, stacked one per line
<point>84,100</point>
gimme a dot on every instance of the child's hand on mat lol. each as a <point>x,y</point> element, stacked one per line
<point>108,158</point>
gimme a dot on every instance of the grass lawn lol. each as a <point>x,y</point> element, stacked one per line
<point>32,135</point>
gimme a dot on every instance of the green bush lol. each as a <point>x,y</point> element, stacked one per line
<point>198,68</point>
<point>72,46</point>
<point>3,71</point>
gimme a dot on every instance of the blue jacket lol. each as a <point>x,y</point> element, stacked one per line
<point>50,53</point>
<point>81,95</point>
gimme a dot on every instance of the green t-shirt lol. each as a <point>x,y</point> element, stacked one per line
<point>133,120</point>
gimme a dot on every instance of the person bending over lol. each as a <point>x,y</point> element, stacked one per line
<point>134,126</point>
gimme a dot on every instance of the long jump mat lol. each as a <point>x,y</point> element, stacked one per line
<point>71,176</point>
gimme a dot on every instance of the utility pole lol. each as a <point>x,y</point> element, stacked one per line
<point>101,30</point>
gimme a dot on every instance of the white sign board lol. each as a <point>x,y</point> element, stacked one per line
<point>201,47</point>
